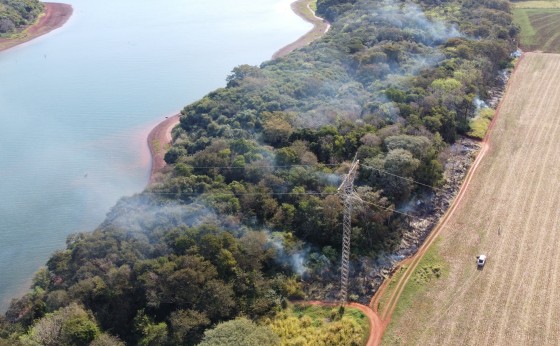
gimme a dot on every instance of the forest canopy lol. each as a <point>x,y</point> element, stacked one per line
<point>248,206</point>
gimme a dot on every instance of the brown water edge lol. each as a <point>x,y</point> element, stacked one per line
<point>159,140</point>
<point>55,15</point>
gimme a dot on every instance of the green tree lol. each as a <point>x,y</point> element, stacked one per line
<point>241,332</point>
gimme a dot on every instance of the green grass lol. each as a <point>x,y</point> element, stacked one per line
<point>431,267</point>
<point>528,34</point>
<point>313,5</point>
<point>479,125</point>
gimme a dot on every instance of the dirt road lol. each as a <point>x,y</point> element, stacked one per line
<point>510,213</point>
<point>375,325</point>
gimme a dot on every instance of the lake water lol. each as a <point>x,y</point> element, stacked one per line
<point>76,106</point>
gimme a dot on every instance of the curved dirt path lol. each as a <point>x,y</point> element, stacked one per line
<point>412,262</point>
<point>375,324</point>
<point>320,27</point>
<point>55,15</point>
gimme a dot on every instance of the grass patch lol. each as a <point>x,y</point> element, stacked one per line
<point>431,267</point>
<point>156,144</point>
<point>536,4</point>
<point>528,34</point>
<point>317,325</point>
<point>539,26</point>
<point>479,125</point>
<point>313,5</point>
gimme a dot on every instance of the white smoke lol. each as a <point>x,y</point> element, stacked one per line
<point>479,104</point>
<point>295,257</point>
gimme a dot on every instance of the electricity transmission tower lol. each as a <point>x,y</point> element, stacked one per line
<point>346,190</point>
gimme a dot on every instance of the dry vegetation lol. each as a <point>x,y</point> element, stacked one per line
<point>511,214</point>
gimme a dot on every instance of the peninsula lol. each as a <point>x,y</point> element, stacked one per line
<point>54,16</point>
<point>160,136</point>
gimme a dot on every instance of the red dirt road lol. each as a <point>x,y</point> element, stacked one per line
<point>55,15</point>
<point>412,262</point>
<point>375,325</point>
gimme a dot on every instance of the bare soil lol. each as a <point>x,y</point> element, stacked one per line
<point>55,15</point>
<point>509,213</point>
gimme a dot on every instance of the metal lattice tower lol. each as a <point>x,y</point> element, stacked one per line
<point>346,190</point>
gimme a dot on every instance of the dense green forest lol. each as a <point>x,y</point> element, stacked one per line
<point>17,13</point>
<point>249,207</point>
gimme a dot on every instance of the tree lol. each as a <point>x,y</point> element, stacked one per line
<point>240,332</point>
<point>276,131</point>
<point>186,326</point>
<point>106,340</point>
<point>71,325</point>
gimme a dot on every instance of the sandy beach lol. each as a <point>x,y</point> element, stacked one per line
<point>159,138</point>
<point>55,15</point>
<point>320,27</point>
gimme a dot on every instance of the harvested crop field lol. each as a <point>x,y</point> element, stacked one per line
<point>510,213</point>
<point>539,28</point>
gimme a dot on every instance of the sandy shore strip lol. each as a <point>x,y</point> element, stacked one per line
<point>320,27</point>
<point>55,15</point>
<point>159,139</point>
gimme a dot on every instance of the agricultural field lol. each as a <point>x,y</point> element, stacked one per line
<point>539,22</point>
<point>509,213</point>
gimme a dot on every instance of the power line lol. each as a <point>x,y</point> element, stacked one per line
<point>266,166</point>
<point>346,190</point>
<point>406,178</point>
<point>319,165</point>
<point>237,194</point>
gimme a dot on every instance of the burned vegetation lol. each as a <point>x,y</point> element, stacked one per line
<point>248,206</point>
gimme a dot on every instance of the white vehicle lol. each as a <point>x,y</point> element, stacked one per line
<point>481,260</point>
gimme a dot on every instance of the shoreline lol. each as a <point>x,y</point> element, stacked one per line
<point>320,27</point>
<point>55,15</point>
<point>159,138</point>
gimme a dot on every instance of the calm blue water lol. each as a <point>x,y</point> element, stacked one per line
<point>76,106</point>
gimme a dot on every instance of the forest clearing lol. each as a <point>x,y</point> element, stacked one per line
<point>510,214</point>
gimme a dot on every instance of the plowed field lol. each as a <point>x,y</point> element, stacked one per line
<point>511,213</point>
<point>539,29</point>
